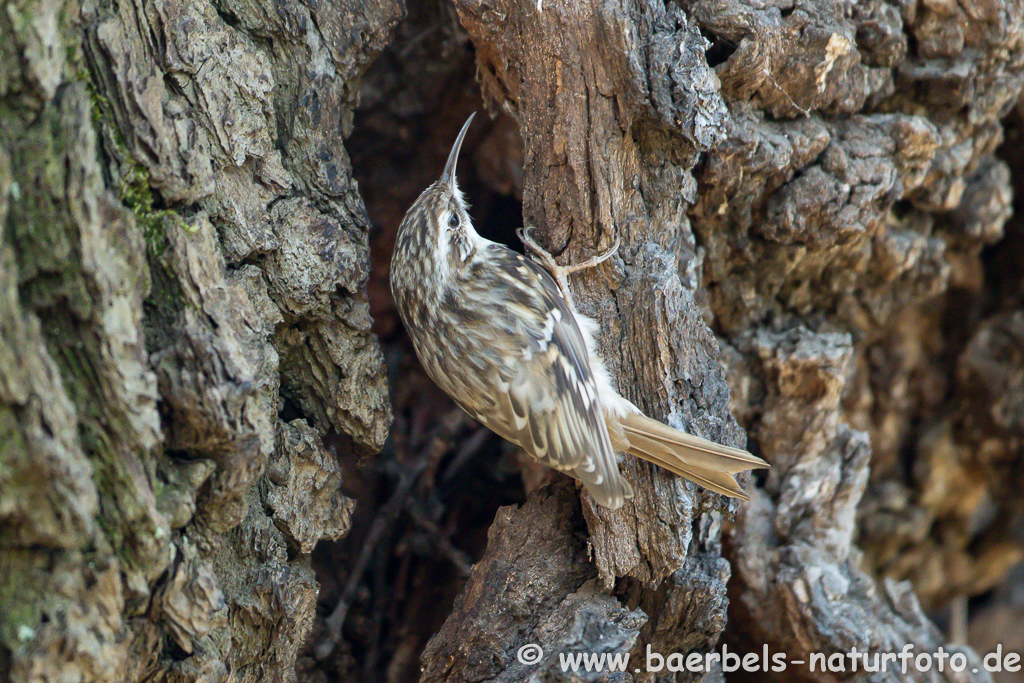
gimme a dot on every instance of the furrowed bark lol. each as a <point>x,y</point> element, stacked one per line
<point>169,275</point>
<point>814,203</point>
<point>847,187</point>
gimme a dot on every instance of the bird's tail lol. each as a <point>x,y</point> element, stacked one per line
<point>704,462</point>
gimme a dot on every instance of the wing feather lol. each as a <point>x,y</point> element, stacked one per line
<point>546,398</point>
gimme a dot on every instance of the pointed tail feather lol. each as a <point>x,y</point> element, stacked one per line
<point>704,462</point>
<point>719,482</point>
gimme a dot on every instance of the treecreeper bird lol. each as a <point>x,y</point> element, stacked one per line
<point>501,336</point>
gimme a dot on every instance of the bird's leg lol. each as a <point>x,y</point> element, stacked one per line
<point>562,273</point>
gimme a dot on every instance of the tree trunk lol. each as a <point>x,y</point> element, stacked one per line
<point>813,203</point>
<point>184,257</point>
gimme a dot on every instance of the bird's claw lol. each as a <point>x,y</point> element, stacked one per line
<point>561,273</point>
<point>549,261</point>
<point>594,261</point>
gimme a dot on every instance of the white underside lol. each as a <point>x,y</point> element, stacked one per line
<point>611,401</point>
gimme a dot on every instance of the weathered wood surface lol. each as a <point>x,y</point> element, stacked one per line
<point>814,205</point>
<point>183,250</point>
<point>847,188</point>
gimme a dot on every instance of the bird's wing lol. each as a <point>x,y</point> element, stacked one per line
<point>550,402</point>
<point>543,396</point>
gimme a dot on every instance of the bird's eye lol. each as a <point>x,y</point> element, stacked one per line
<point>453,220</point>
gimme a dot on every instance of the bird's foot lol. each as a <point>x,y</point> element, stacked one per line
<point>562,273</point>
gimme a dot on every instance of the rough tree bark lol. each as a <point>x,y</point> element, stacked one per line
<point>811,199</point>
<point>183,253</point>
<point>848,184</point>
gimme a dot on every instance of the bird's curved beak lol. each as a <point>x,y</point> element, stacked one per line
<point>448,176</point>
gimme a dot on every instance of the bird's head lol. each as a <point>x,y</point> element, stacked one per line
<point>441,209</point>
